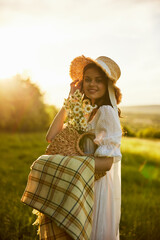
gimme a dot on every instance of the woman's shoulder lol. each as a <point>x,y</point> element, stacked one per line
<point>108,115</point>
<point>108,120</point>
<point>104,112</point>
<point>106,109</point>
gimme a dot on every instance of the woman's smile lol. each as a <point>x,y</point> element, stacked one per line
<point>92,90</point>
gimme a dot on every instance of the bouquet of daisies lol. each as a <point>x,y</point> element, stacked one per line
<point>78,110</point>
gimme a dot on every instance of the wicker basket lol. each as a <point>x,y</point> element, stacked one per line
<point>70,143</point>
<point>64,143</point>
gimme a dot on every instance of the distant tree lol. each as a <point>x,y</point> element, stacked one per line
<point>21,106</point>
<point>128,131</point>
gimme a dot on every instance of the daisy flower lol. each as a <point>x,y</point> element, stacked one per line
<point>76,125</point>
<point>84,126</point>
<point>76,109</point>
<point>95,106</point>
<point>86,101</point>
<point>78,94</point>
<point>88,108</point>
<point>70,115</point>
<point>66,104</point>
<point>78,104</point>
<point>83,121</point>
<point>77,115</point>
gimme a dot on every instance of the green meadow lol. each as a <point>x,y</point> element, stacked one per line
<point>140,219</point>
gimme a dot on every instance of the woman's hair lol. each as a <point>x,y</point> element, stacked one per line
<point>105,100</point>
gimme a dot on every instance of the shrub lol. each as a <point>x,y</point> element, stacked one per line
<point>128,131</point>
<point>148,133</point>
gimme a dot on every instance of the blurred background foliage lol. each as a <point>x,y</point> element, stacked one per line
<point>22,106</point>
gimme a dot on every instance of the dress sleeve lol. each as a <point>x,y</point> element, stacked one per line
<point>108,134</point>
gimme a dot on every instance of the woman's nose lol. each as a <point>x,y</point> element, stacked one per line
<point>92,83</point>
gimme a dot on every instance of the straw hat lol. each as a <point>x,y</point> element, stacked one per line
<point>111,69</point>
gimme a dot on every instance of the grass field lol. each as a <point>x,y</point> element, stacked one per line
<point>140,186</point>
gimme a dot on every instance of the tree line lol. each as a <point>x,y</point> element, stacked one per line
<point>22,106</point>
<point>148,132</point>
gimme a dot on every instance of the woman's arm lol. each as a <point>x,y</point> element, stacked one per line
<point>103,163</point>
<point>57,125</point>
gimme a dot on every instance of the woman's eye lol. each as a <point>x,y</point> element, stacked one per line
<point>99,80</point>
<point>87,79</point>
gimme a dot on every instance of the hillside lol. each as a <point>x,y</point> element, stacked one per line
<point>141,117</point>
<point>144,109</point>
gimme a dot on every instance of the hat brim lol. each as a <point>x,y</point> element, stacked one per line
<point>78,64</point>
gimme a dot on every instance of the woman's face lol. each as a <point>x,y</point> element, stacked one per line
<point>94,84</point>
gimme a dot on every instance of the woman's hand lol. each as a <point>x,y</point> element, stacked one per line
<point>74,86</point>
<point>103,163</point>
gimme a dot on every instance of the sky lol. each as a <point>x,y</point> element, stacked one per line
<point>39,39</point>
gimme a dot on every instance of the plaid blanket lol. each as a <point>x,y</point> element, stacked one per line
<point>62,187</point>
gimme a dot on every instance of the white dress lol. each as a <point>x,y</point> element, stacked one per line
<point>107,198</point>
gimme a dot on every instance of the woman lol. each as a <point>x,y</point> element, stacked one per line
<point>96,79</point>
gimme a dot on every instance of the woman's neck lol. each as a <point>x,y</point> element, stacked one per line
<point>92,114</point>
<point>93,102</point>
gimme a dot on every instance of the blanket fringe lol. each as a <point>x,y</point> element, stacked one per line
<point>38,220</point>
